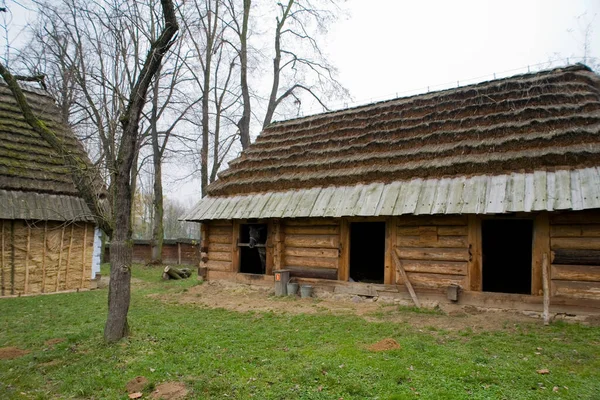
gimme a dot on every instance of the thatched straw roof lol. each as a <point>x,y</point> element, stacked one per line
<point>34,182</point>
<point>543,121</point>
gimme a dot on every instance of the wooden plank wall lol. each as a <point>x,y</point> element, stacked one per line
<point>312,248</point>
<point>433,250</point>
<point>575,245</point>
<point>221,244</point>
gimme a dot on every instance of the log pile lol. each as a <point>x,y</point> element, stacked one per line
<point>176,273</point>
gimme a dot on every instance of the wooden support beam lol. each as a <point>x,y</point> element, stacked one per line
<point>69,257</point>
<point>12,257</point>
<point>44,246</point>
<point>475,252</point>
<point>178,253</point>
<point>235,250</point>
<point>83,257</point>
<point>2,261</point>
<point>27,249</point>
<point>541,246</point>
<point>546,288</point>
<point>344,250</point>
<point>401,272</point>
<point>62,236</point>
<point>390,244</point>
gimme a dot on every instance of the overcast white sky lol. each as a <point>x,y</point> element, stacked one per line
<point>389,46</point>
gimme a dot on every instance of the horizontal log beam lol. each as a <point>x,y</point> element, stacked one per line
<point>316,262</point>
<point>219,247</point>
<point>221,239</point>
<point>311,252</point>
<point>320,241</point>
<point>588,243</point>
<point>428,220</point>
<point>435,280</point>
<point>592,230</point>
<point>437,241</point>
<point>436,267</point>
<point>219,256</point>
<point>589,273</point>
<point>318,273</point>
<point>580,290</point>
<point>218,265</point>
<point>312,230</point>
<point>431,254</point>
<point>576,257</point>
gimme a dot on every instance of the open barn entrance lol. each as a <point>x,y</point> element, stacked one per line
<point>367,251</point>
<point>252,248</point>
<point>507,251</point>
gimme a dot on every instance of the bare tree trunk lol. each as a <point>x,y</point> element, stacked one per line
<point>244,123</point>
<point>272,105</point>
<point>158,231</point>
<point>119,294</point>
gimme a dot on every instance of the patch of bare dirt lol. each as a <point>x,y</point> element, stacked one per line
<point>384,345</point>
<point>9,353</point>
<point>246,298</point>
<point>170,391</point>
<point>53,342</point>
<point>137,384</point>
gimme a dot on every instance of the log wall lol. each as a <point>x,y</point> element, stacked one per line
<point>221,245</point>
<point>575,245</point>
<point>434,251</point>
<point>44,257</point>
<point>311,248</point>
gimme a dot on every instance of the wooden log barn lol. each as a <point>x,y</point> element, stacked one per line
<point>46,231</point>
<point>483,194</point>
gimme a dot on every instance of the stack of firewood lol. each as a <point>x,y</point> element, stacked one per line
<point>176,273</point>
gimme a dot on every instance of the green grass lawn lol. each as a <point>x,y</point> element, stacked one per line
<point>225,354</point>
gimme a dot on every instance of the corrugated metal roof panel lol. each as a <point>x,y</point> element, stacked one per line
<point>482,194</point>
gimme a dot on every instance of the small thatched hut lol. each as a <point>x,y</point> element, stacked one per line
<point>46,230</point>
<point>471,188</point>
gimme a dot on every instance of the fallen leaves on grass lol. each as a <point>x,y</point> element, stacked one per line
<point>543,371</point>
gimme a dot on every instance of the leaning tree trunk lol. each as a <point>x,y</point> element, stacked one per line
<point>121,252</point>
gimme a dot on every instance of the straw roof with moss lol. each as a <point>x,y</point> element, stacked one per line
<point>534,122</point>
<point>34,181</point>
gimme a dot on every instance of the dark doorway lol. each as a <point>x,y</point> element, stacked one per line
<point>367,251</point>
<point>252,248</point>
<point>507,249</point>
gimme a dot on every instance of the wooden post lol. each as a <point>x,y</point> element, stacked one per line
<point>344,264</point>
<point>44,245</point>
<point>278,247</point>
<point>62,236</point>
<point>178,253</point>
<point>83,261</point>
<point>2,261</point>
<point>546,289</point>
<point>270,247</point>
<point>69,258</point>
<point>400,270</point>
<point>235,250</point>
<point>390,245</point>
<point>26,286</point>
<point>474,265</point>
<point>541,246</point>
<point>12,257</point>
